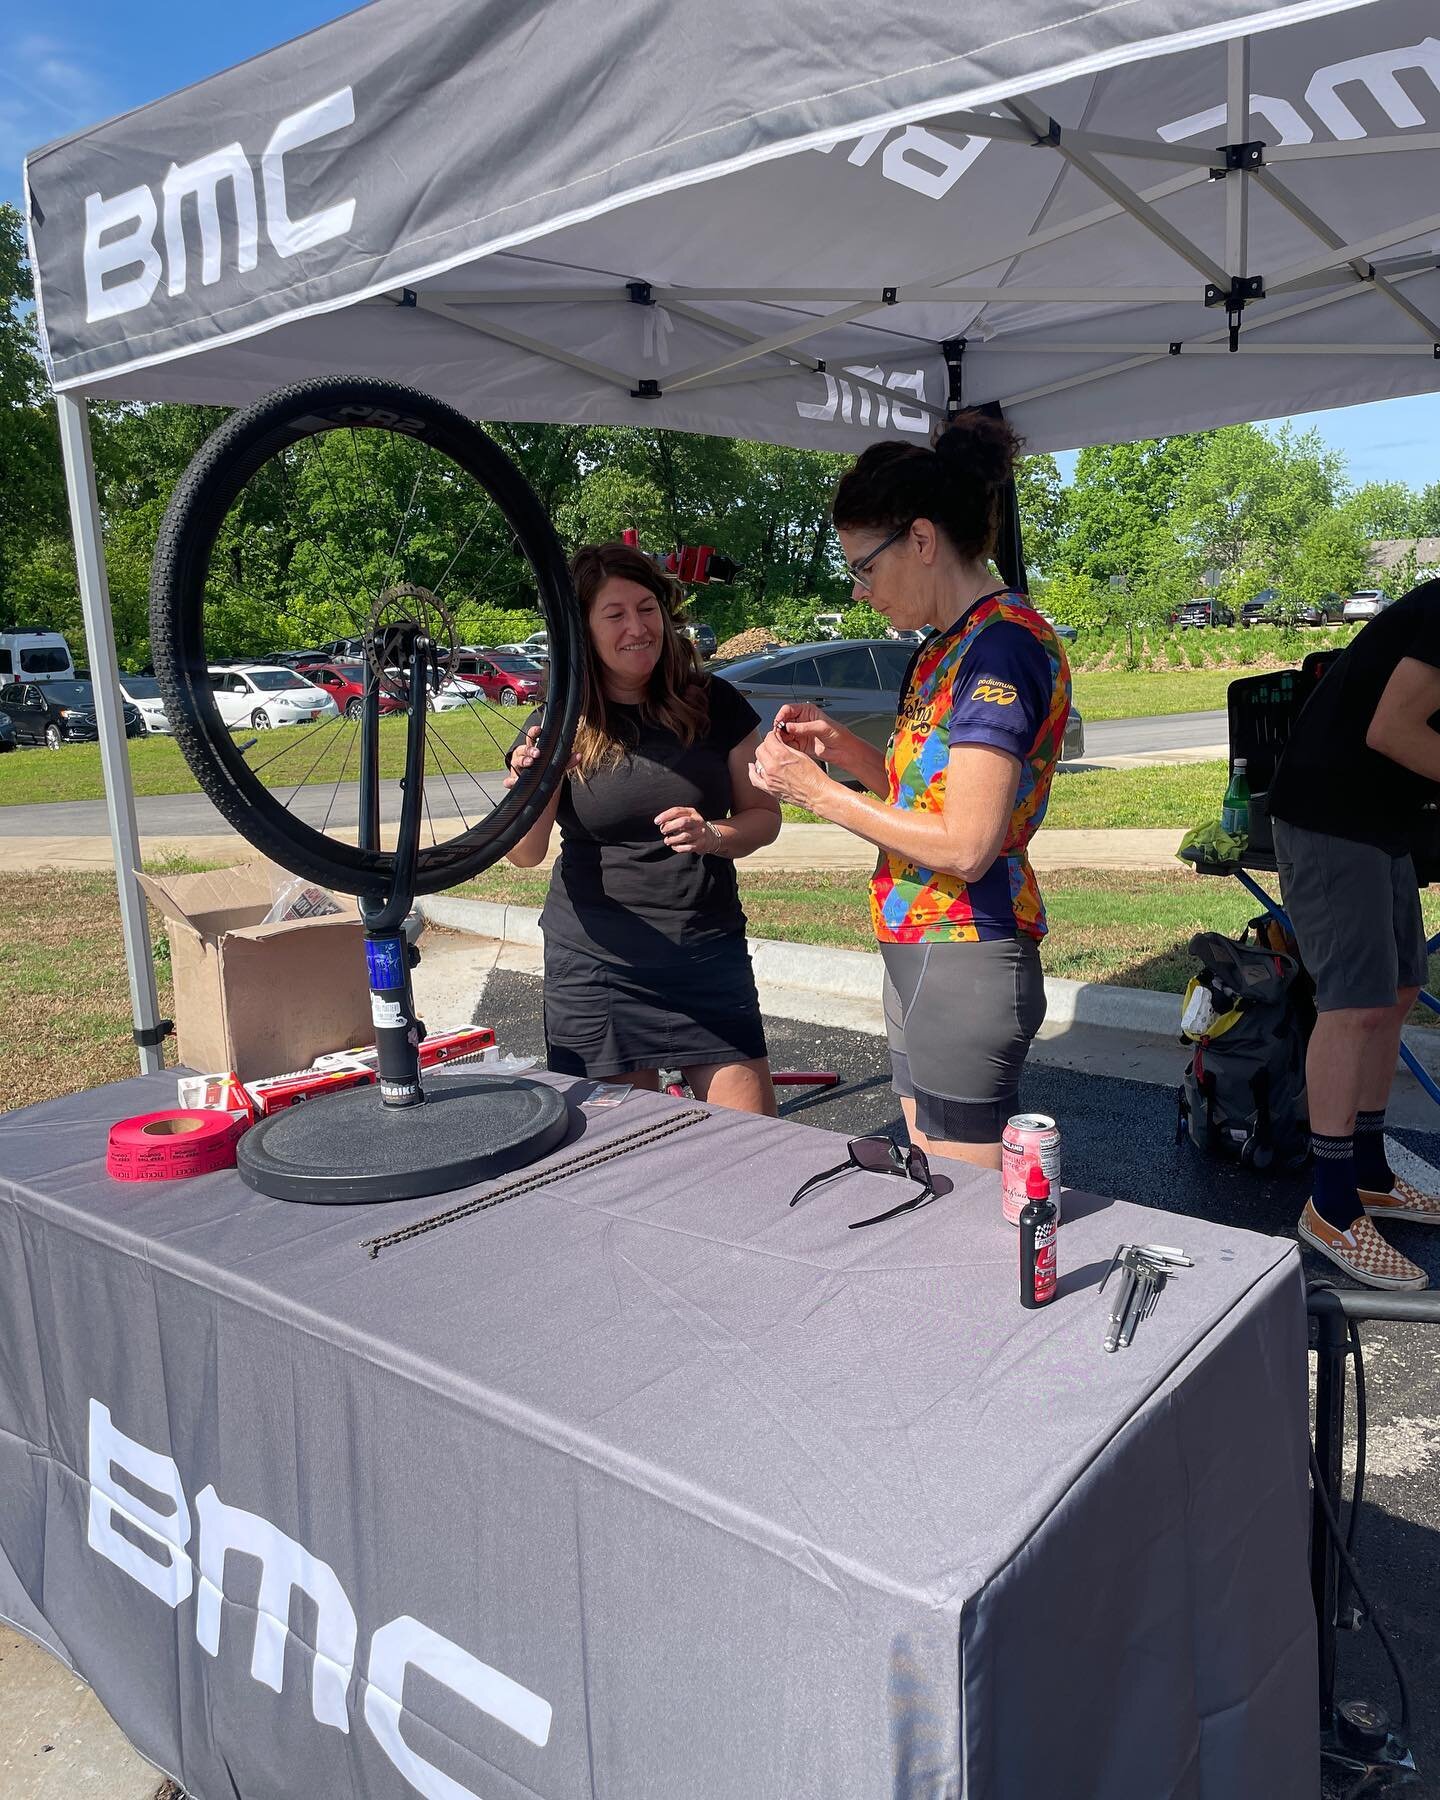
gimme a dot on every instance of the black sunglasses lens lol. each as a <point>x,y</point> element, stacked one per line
<point>917,1164</point>
<point>876,1155</point>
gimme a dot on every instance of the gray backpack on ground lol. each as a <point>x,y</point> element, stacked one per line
<point>1248,1015</point>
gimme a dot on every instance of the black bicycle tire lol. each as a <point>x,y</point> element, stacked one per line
<point>197,509</point>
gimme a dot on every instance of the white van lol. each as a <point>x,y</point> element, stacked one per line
<point>35,656</point>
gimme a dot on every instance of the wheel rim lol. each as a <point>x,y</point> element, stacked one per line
<point>260,721</point>
<point>52,736</point>
<point>289,452</point>
<point>508,697</point>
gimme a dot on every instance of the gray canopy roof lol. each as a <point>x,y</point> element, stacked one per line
<point>767,221</point>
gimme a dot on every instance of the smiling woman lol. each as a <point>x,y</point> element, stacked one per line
<point>646,962</point>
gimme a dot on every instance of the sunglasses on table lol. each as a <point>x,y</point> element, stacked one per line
<point>879,1156</point>
<point>861,564</point>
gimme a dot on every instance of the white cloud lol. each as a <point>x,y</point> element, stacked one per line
<point>46,91</point>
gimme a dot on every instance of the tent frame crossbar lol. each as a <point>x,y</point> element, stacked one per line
<point>1211,339</point>
<point>1239,162</point>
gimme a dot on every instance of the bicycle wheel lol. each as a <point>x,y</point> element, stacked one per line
<point>362,509</point>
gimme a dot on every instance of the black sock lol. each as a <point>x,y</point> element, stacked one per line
<point>1372,1170</point>
<point>1334,1192</point>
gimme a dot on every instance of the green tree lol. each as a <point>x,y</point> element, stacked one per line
<point>1381,509</point>
<point>1249,498</point>
<point>1329,556</point>
<point>1119,511</point>
<point>32,492</point>
<point>1425,512</point>
<point>1044,509</point>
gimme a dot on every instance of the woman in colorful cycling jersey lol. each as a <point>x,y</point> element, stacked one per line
<point>954,802</point>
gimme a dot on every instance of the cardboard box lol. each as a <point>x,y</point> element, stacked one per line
<point>259,999</point>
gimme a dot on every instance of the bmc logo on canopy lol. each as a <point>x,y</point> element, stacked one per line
<point>153,1549</point>
<point>122,263</point>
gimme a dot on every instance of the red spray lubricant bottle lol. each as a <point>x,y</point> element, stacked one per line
<point>1038,1222</point>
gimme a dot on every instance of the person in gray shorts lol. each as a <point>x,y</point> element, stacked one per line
<point>954,801</point>
<point>1362,763</point>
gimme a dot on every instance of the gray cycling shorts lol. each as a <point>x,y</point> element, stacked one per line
<point>959,1018</point>
<point>1356,916</point>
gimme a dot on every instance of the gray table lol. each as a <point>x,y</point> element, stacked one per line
<point>644,1485</point>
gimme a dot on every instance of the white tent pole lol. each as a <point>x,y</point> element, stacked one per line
<point>1370,146</point>
<point>1214,337</point>
<point>114,759</point>
<point>1237,181</point>
<point>1248,346</point>
<point>1344,253</point>
<point>551,352</point>
<point>1124,195</point>
<point>1096,143</point>
<point>1364,271</point>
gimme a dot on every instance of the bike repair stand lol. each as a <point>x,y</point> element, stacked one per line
<point>394,1141</point>
<point>1355,1735</point>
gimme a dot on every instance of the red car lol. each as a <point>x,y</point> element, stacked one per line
<point>505,679</point>
<point>345,684</point>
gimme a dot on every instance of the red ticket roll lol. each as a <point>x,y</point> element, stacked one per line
<point>163,1146</point>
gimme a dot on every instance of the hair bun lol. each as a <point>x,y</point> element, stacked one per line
<point>977,447</point>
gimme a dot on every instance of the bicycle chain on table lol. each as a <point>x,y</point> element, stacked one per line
<point>640,1136</point>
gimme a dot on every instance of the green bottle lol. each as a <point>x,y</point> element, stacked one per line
<point>1235,813</point>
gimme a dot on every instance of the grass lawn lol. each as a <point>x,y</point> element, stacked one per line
<point>1163,794</point>
<point>294,755</point>
<point>1143,693</point>
<point>65,1002</point>
<point>64,995</point>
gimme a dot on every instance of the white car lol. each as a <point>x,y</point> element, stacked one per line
<point>1364,603</point>
<point>263,694</point>
<point>143,693</point>
<point>449,697</point>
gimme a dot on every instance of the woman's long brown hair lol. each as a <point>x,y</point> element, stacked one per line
<point>676,698</point>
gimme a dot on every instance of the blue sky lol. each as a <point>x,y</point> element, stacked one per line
<point>75,62</point>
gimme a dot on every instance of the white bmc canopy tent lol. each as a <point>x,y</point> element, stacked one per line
<point>813,224</point>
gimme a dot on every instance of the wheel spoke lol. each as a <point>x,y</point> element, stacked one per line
<point>340,779</point>
<point>304,780</point>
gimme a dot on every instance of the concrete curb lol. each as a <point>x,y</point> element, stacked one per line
<point>830,986</point>
<point>852,977</point>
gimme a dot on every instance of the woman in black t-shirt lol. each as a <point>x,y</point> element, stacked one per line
<point>646,965</point>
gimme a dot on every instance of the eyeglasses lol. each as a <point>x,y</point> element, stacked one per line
<point>862,563</point>
<point>879,1156</point>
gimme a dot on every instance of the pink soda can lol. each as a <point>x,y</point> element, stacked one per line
<point>1029,1139</point>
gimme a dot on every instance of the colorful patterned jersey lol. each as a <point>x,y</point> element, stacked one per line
<point>998,676</point>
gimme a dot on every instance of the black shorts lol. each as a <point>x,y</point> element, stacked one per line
<point>960,1018</point>
<point>604,1018</point>
<point>1356,915</point>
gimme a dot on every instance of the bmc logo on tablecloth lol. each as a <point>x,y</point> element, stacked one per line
<point>172,1575</point>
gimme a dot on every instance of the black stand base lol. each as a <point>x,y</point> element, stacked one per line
<point>351,1147</point>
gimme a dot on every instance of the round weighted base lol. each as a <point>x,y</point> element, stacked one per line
<point>351,1147</point>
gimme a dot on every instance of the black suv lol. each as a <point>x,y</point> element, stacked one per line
<point>1195,614</point>
<point>59,712</point>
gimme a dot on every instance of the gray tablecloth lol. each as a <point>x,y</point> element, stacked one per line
<point>645,1485</point>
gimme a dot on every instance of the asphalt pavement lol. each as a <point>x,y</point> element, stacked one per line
<point>1144,739</point>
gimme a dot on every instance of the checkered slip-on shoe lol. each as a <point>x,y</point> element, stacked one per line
<point>1412,1199</point>
<point>1361,1252</point>
<point>1402,1202</point>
